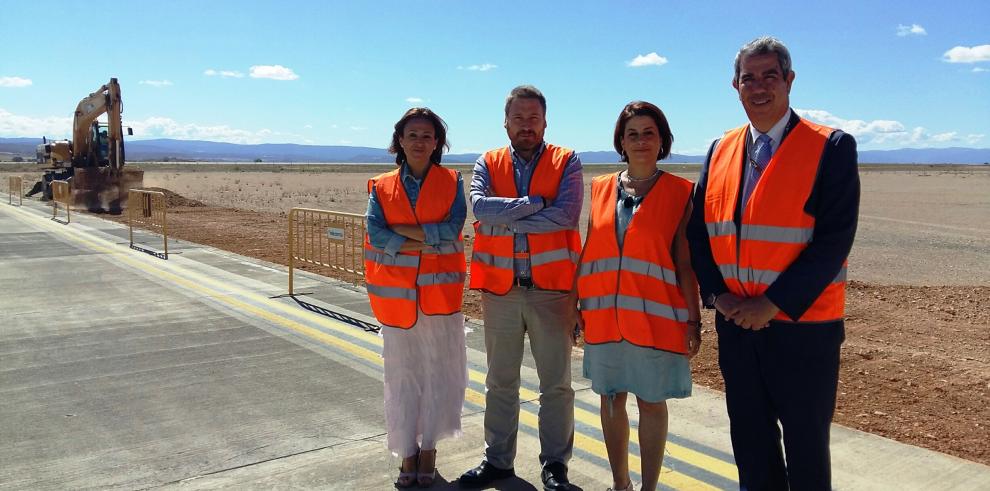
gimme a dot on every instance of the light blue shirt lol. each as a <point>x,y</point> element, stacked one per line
<point>437,234</point>
<point>527,214</point>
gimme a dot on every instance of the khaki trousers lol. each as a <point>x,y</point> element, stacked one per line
<point>548,320</point>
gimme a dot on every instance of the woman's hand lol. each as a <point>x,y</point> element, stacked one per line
<point>578,325</point>
<point>414,232</point>
<point>411,245</point>
<point>694,338</point>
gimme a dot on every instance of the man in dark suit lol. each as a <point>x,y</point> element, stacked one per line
<point>774,219</point>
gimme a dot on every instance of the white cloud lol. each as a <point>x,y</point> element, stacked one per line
<point>484,67</point>
<point>308,126</point>
<point>881,131</point>
<point>27,126</point>
<point>14,82</point>
<point>156,83</point>
<point>945,137</point>
<point>977,69</point>
<point>914,29</point>
<point>163,127</point>
<point>223,73</point>
<point>274,72</point>
<point>649,59</point>
<point>358,128</point>
<point>414,100</point>
<point>153,127</point>
<point>962,54</point>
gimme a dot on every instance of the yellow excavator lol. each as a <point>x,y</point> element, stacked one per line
<point>94,158</point>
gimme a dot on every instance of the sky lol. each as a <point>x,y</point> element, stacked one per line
<point>895,75</point>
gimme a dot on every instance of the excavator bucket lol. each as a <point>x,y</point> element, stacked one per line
<point>99,191</point>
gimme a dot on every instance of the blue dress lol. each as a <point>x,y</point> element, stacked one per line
<point>652,375</point>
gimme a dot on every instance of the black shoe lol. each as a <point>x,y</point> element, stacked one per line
<point>484,475</point>
<point>554,477</point>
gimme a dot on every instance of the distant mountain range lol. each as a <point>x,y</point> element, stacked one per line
<point>194,150</point>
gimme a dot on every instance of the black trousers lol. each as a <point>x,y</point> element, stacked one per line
<point>786,373</point>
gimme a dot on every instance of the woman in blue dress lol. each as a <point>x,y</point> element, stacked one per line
<point>638,295</point>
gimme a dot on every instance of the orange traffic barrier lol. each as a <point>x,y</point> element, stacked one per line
<point>15,185</point>
<point>330,239</point>
<point>148,210</point>
<point>61,195</point>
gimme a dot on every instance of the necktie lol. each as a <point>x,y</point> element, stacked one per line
<point>757,166</point>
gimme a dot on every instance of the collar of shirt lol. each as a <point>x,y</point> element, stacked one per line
<point>406,174</point>
<point>776,133</point>
<point>516,159</point>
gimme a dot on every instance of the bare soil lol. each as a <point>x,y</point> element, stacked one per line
<point>916,360</point>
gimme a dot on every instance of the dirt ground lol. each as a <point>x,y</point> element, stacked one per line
<point>916,361</point>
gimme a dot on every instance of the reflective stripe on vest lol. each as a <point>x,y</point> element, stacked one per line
<point>440,278</point>
<point>553,256</point>
<point>392,292</point>
<point>774,227</point>
<point>377,256</point>
<point>431,281</point>
<point>632,294</point>
<point>634,304</point>
<point>766,233</point>
<point>763,276</point>
<point>632,265</point>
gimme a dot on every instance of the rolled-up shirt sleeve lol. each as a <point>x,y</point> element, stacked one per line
<point>565,210</point>
<point>380,236</point>
<point>495,210</point>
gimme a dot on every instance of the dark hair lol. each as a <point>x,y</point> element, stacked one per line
<point>525,92</point>
<point>763,46</point>
<point>643,108</point>
<point>439,130</point>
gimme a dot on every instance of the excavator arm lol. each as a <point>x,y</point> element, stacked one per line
<point>106,100</point>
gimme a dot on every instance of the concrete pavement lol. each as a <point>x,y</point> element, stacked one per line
<point>121,370</point>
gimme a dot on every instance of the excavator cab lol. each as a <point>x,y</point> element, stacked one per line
<point>101,143</point>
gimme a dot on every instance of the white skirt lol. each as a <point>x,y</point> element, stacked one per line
<point>425,380</point>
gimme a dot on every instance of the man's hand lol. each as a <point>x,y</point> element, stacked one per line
<point>726,303</point>
<point>754,313</point>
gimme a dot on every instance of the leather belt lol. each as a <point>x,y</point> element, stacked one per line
<point>523,282</point>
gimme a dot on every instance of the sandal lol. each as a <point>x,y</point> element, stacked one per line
<point>426,479</point>
<point>407,479</point>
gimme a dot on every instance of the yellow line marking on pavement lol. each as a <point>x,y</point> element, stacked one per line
<point>693,457</point>
<point>679,452</point>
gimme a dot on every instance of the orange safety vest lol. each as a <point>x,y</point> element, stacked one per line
<point>775,227</point>
<point>553,256</point>
<point>432,279</point>
<point>632,293</point>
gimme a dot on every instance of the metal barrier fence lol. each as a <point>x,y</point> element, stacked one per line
<point>147,209</point>
<point>61,194</point>
<point>15,182</point>
<point>330,239</point>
